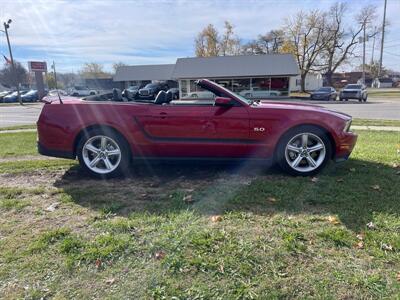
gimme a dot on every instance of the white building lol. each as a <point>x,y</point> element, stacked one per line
<point>245,74</point>
<point>313,82</point>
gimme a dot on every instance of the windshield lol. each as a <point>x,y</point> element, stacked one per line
<point>80,88</point>
<point>324,90</point>
<point>133,87</point>
<point>31,92</point>
<point>227,92</point>
<point>353,86</point>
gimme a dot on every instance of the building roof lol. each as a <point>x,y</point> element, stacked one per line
<point>236,66</point>
<point>144,72</point>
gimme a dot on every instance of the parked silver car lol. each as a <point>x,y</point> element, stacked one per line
<point>354,91</point>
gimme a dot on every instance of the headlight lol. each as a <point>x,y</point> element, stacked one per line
<point>347,126</point>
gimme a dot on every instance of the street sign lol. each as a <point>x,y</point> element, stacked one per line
<point>37,66</point>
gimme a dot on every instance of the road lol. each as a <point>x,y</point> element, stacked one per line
<point>388,109</point>
<point>19,115</point>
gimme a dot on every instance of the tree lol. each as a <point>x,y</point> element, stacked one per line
<point>93,70</point>
<point>67,79</point>
<point>207,42</point>
<point>7,76</point>
<point>341,40</point>
<point>305,40</point>
<point>116,65</point>
<point>373,69</point>
<point>51,81</point>
<point>271,42</point>
<point>230,43</point>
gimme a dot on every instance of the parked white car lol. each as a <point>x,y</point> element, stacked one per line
<point>81,91</point>
<point>259,93</point>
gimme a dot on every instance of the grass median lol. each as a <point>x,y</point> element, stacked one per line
<point>203,231</point>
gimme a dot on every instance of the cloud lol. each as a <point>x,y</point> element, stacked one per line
<point>138,32</point>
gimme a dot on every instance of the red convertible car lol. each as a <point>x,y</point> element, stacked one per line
<point>107,135</point>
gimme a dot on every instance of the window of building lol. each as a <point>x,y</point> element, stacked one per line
<point>281,85</point>
<point>240,85</point>
<point>226,83</point>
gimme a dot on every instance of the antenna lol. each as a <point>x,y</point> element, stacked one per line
<point>55,78</point>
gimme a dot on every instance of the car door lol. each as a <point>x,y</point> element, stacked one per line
<point>197,128</point>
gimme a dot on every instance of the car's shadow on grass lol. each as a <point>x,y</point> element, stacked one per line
<point>353,191</point>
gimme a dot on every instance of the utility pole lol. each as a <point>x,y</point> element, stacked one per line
<point>383,39</point>
<point>363,64</point>
<point>6,26</point>
<point>373,47</point>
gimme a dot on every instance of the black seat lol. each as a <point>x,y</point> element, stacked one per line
<point>117,95</point>
<point>161,97</point>
<point>169,97</point>
<point>128,95</point>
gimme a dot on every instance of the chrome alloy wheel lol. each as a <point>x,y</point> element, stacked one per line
<point>101,154</point>
<point>305,152</point>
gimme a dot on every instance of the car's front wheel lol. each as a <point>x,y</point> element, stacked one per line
<point>103,153</point>
<point>304,151</point>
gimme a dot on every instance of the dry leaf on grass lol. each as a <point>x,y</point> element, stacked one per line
<point>340,180</point>
<point>314,179</point>
<point>188,199</point>
<point>360,245</point>
<point>272,199</point>
<point>215,219</point>
<point>371,225</point>
<point>52,207</point>
<point>387,247</point>
<point>352,169</point>
<point>398,277</point>
<point>376,187</point>
<point>110,280</point>
<point>395,166</point>
<point>334,220</point>
<point>159,255</point>
<point>98,263</point>
<point>360,236</point>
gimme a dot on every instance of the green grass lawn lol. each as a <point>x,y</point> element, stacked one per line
<point>18,144</point>
<point>203,231</point>
<point>372,122</point>
<point>384,93</point>
<point>17,127</point>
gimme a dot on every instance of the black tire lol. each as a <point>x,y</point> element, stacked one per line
<point>124,164</point>
<point>365,98</point>
<point>280,155</point>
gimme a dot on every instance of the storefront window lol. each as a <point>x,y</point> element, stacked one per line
<point>261,84</point>
<point>280,84</point>
<point>226,83</point>
<point>241,85</point>
<point>184,87</point>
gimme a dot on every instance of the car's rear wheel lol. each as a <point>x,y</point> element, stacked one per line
<point>103,153</point>
<point>304,151</point>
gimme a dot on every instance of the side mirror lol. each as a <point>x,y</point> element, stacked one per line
<point>223,101</point>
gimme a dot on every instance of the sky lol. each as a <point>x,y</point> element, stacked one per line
<point>156,32</point>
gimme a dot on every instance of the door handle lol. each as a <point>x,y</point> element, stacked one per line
<point>163,115</point>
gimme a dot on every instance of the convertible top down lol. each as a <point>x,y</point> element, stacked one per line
<point>107,135</point>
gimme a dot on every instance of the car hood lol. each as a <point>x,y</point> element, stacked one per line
<point>301,107</point>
